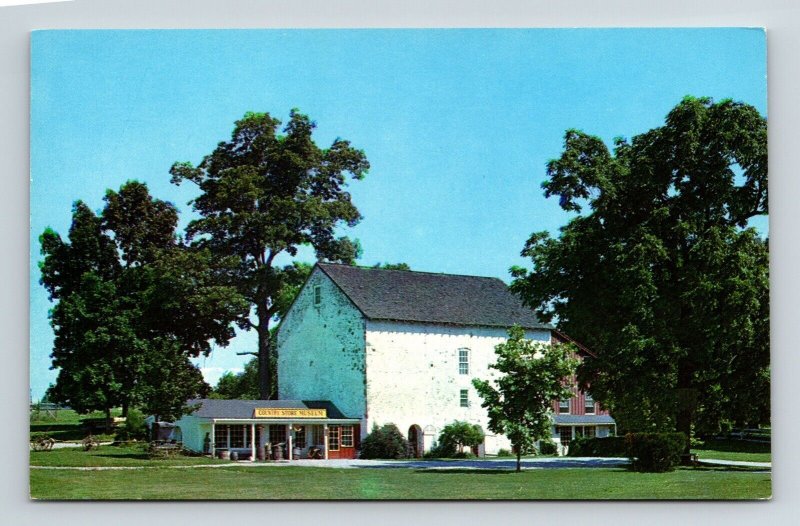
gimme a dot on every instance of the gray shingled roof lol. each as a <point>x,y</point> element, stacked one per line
<point>583,419</point>
<point>241,409</point>
<point>405,295</point>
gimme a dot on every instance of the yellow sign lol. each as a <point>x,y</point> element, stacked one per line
<point>280,412</point>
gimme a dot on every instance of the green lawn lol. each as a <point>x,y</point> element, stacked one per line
<point>735,450</point>
<point>65,425</point>
<point>396,483</point>
<point>106,456</point>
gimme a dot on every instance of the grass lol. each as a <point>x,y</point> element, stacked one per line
<point>111,456</point>
<point>735,450</point>
<point>65,425</point>
<point>287,482</point>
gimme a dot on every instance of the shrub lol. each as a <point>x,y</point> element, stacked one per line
<point>504,453</point>
<point>134,427</point>
<point>464,454</point>
<point>384,442</point>
<point>547,447</point>
<point>454,437</point>
<point>598,447</point>
<point>655,452</point>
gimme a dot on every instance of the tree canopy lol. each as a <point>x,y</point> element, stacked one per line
<point>133,304</point>
<point>658,272</point>
<point>264,193</point>
<point>532,375</point>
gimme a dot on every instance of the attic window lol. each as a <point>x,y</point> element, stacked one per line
<point>317,295</point>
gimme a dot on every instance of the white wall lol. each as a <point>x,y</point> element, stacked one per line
<point>321,349</point>
<point>413,375</point>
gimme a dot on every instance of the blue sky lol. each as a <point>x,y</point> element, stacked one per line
<point>457,124</point>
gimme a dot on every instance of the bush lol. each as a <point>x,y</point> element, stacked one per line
<point>547,447</point>
<point>384,442</point>
<point>454,437</point>
<point>134,427</point>
<point>655,452</point>
<point>504,453</point>
<point>598,447</point>
<point>464,454</point>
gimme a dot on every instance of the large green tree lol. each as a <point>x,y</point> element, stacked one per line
<point>133,304</point>
<point>266,193</point>
<point>658,271</point>
<point>532,375</point>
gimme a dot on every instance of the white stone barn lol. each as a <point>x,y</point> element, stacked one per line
<point>402,347</point>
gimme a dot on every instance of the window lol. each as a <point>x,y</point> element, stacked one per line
<point>277,434</point>
<point>317,295</point>
<point>464,398</point>
<point>589,431</point>
<point>347,436</point>
<point>237,436</point>
<point>563,406</point>
<point>333,438</point>
<point>463,361</point>
<point>300,437</point>
<point>221,437</point>
<point>565,432</point>
<point>589,405</point>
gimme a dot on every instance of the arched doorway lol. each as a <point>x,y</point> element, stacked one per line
<point>415,440</point>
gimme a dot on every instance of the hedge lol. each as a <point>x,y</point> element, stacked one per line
<point>655,452</point>
<point>598,447</point>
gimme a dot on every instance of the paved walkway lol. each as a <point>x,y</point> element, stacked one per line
<point>742,463</point>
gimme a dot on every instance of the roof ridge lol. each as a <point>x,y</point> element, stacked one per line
<point>358,267</point>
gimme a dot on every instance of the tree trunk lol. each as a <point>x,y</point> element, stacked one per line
<point>124,409</point>
<point>519,460</point>
<point>108,420</point>
<point>264,356</point>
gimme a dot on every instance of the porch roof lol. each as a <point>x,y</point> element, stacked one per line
<point>244,409</point>
<point>583,419</point>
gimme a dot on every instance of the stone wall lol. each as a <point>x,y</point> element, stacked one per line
<point>321,349</point>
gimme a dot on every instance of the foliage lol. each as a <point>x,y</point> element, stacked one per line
<point>658,272</point>
<point>134,427</point>
<point>533,374</point>
<point>598,447</point>
<point>547,447</point>
<point>392,266</point>
<point>457,435</point>
<point>655,452</point>
<point>242,386</point>
<point>502,452</point>
<point>264,193</point>
<point>384,442</point>
<point>133,304</point>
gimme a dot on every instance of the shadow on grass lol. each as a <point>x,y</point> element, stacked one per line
<point>735,446</point>
<point>459,471</point>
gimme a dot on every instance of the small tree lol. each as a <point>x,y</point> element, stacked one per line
<point>533,375</point>
<point>384,442</point>
<point>454,437</point>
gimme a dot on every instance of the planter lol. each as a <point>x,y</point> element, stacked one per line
<point>225,454</point>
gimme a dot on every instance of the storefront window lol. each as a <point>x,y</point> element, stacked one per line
<point>300,437</point>
<point>347,436</point>
<point>277,434</point>
<point>221,437</point>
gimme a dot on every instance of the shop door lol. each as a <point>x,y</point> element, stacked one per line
<point>342,441</point>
